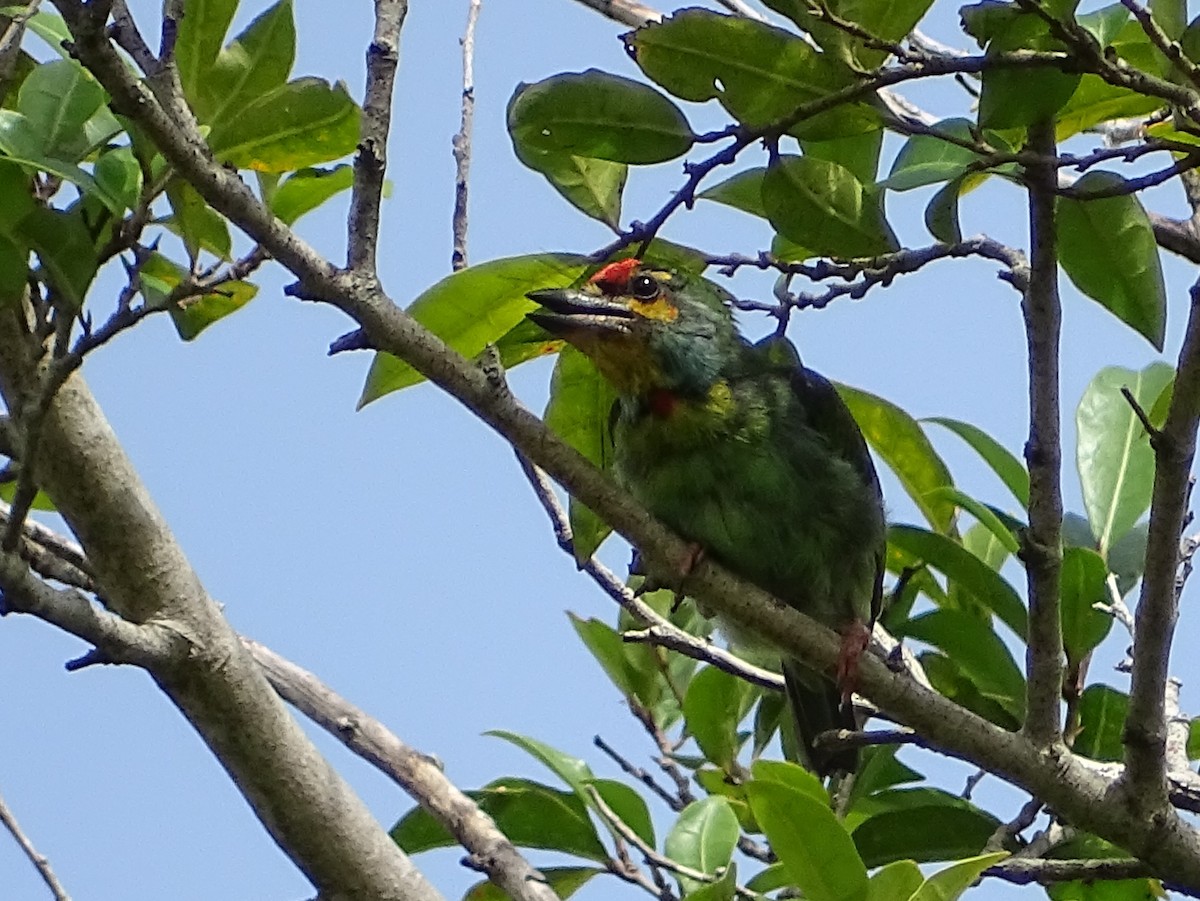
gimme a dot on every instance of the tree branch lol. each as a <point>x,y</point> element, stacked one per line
<point>462,141</point>
<point>39,861</point>
<point>416,773</point>
<point>370,164</point>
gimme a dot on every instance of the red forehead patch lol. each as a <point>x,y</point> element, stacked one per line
<point>615,276</point>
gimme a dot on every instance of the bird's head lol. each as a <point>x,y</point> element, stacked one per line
<point>645,329</point>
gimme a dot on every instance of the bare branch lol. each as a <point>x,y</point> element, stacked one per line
<point>1043,454</point>
<point>1047,871</point>
<point>416,773</point>
<point>1157,608</point>
<point>627,12</point>
<point>462,140</point>
<point>39,861</point>
<point>370,164</point>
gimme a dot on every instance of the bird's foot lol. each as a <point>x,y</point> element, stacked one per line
<point>691,559</point>
<point>855,639</point>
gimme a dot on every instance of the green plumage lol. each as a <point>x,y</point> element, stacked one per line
<point>740,449</point>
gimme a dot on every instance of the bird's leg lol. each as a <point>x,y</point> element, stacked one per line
<point>692,557</point>
<point>855,639</point>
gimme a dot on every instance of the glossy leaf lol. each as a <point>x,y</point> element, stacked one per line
<point>571,770</point>
<point>1096,101</point>
<point>299,124</point>
<point>1084,578</point>
<point>198,224</point>
<point>977,650</point>
<point>822,206</point>
<point>941,214</point>
<point>791,775</point>
<point>530,814</point>
<point>1016,98</point>
<point>923,834</point>
<point>51,28</point>
<point>712,709</point>
<point>947,678</point>
<point>901,443</point>
<point>307,189</point>
<point>118,174</point>
<point>891,21</point>
<point>742,192</point>
<point>984,514</point>
<point>950,883</point>
<point>809,840</point>
<point>57,99</point>
<point>595,114</point>
<point>926,159</point>
<point>256,63</point>
<point>895,882</point>
<point>473,308</point>
<point>581,401</point>
<point>194,315</point>
<point>760,74</point>
<point>1127,557</point>
<point>198,41</point>
<point>64,248</point>
<point>1107,248</point>
<point>703,837</point>
<point>608,648</point>
<point>20,143</point>
<point>1113,454</point>
<point>858,154</point>
<point>563,881</point>
<point>628,805</point>
<point>592,186</point>
<point>1003,463</point>
<point>723,889</point>
<point>1102,712</point>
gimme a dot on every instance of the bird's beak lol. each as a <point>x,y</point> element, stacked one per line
<point>571,311</point>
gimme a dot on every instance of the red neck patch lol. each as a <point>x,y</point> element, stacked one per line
<point>662,402</point>
<point>614,277</point>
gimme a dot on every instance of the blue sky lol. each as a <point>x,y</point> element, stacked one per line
<point>397,551</point>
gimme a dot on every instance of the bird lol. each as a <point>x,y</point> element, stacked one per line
<point>747,454</point>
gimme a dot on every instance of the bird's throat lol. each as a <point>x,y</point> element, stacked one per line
<point>662,402</point>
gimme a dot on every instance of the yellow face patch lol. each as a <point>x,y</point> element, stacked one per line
<point>660,309</point>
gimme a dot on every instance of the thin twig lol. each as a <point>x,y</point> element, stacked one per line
<point>627,12</point>
<point>370,163</point>
<point>1043,454</point>
<point>462,140</point>
<point>1171,49</point>
<point>638,773</point>
<point>39,861</point>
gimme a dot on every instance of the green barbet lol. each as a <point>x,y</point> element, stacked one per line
<point>745,453</point>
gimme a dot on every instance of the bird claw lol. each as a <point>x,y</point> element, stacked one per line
<point>691,559</point>
<point>855,640</point>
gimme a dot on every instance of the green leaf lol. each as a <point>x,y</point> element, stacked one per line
<point>198,224</point>
<point>902,444</point>
<point>1105,23</point>
<point>299,124</point>
<point>592,186</point>
<point>595,114</point>
<point>571,770</point>
<point>927,160</point>
<point>743,191</point>
<point>880,770</point>
<point>1171,16</point>
<point>890,21</point>
<point>194,315</point>
<point>563,881</point>
<point>712,708</point>
<point>1084,578</point>
<point>858,154</point>
<point>1127,557</point>
<point>530,814</point>
<point>979,653</point>
<point>895,882</point>
<point>1107,248</point>
<point>1113,454</point>
<point>578,411</point>
<point>703,838</point>
<point>473,308</point>
<point>950,883</point>
<point>14,271</point>
<point>118,174</point>
<point>1016,98</point>
<point>1003,463</point>
<point>814,847</point>
<point>791,775</point>
<point>57,99</point>
<point>21,143</point>
<point>822,206</point>
<point>1096,101</point>
<point>63,244</point>
<point>724,889</point>
<point>628,805</point>
<point>53,30</point>
<point>986,516</point>
<point>941,215</point>
<point>760,74</point>
<point>923,834</point>
<point>770,715</point>
<point>198,41</point>
<point>1102,712</point>
<point>608,648</point>
<point>948,679</point>
<point>255,64</point>
<point>307,189</point>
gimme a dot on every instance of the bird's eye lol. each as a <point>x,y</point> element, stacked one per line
<point>643,287</point>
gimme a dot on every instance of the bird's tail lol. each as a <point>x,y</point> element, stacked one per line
<point>817,707</point>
